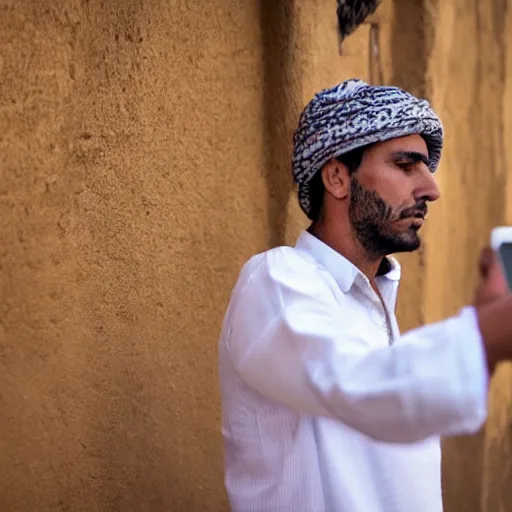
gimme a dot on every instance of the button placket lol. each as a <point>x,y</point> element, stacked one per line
<point>380,316</point>
<point>378,312</point>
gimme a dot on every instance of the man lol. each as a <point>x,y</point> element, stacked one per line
<point>326,406</point>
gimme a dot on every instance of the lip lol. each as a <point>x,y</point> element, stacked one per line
<point>418,221</point>
<point>414,217</point>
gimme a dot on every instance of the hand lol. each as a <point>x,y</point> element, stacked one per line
<point>492,301</point>
<point>493,284</point>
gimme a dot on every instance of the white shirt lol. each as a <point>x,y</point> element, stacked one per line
<point>325,409</point>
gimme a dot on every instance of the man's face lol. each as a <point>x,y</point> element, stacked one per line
<point>389,195</point>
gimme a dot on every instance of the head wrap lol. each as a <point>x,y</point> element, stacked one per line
<point>354,114</point>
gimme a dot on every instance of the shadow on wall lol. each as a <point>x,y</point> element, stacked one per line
<point>281,110</point>
<point>410,46</point>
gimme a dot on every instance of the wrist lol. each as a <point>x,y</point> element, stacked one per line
<point>495,324</point>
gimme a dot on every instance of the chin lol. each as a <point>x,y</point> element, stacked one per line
<point>412,244</point>
<point>382,242</point>
<point>408,242</point>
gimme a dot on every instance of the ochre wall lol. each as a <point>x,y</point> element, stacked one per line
<point>133,187</point>
<point>144,156</point>
<point>470,83</point>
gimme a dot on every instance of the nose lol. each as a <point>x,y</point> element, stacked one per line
<point>427,188</point>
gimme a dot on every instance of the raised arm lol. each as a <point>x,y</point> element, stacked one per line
<point>289,340</point>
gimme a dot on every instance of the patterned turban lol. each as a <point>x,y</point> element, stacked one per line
<point>354,114</point>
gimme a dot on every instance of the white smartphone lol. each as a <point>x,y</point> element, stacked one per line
<point>501,244</point>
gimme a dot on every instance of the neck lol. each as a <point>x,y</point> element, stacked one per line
<point>345,242</point>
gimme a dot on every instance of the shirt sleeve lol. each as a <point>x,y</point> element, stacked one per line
<point>288,340</point>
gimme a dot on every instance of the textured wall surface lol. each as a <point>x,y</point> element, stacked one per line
<point>144,156</point>
<point>133,187</point>
<point>470,85</point>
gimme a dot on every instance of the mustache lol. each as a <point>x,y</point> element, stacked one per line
<point>420,209</point>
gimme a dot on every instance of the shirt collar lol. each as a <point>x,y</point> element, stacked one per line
<point>340,267</point>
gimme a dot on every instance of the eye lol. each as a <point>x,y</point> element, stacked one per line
<point>406,166</point>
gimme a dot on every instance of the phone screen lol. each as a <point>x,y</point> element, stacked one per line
<point>506,258</point>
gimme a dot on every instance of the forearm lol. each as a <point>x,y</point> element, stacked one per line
<point>432,382</point>
<point>494,320</point>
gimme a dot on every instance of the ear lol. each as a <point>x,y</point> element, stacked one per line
<point>336,179</point>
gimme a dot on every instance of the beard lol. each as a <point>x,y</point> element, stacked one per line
<point>373,220</point>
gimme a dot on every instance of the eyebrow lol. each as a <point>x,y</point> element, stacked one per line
<point>413,156</point>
